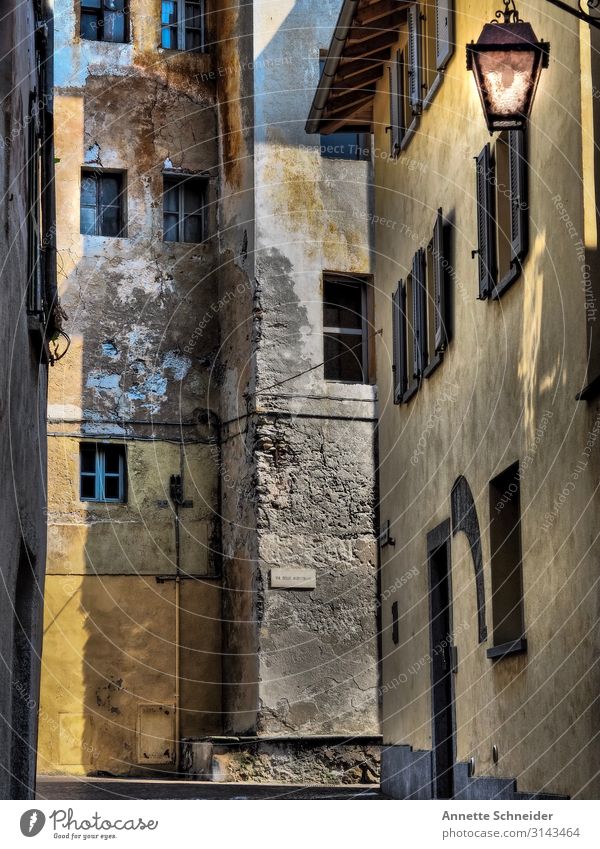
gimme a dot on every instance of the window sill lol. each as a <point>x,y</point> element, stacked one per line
<point>408,135</point>
<point>433,365</point>
<point>515,647</point>
<point>411,392</point>
<point>507,281</point>
<point>591,391</point>
<point>433,90</point>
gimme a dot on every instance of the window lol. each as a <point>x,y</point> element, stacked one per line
<point>102,196</point>
<point>102,472</point>
<point>346,145</point>
<point>184,202</point>
<point>182,25</point>
<point>416,71</point>
<point>507,582</point>
<point>502,213</point>
<point>421,316</point>
<point>104,20</point>
<point>397,71</point>
<point>345,329</point>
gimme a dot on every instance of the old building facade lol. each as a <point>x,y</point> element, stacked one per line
<point>203,460</point>
<point>27,304</point>
<point>486,290</point>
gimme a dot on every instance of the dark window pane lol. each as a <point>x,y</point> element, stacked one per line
<point>114,27</point>
<point>88,459</point>
<point>193,228</point>
<point>343,304</point>
<point>171,196</point>
<point>88,220</point>
<point>111,487</point>
<point>344,357</point>
<point>89,26</point>
<point>193,15</point>
<point>91,4</point>
<point>193,39</point>
<point>193,197</point>
<point>170,227</point>
<point>111,190</point>
<point>88,487</point>
<point>89,184</point>
<point>114,5</point>
<point>110,224</point>
<point>169,38</point>
<point>112,457</point>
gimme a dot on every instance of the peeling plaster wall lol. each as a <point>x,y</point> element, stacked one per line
<point>23,387</point>
<point>310,445</point>
<point>142,372</point>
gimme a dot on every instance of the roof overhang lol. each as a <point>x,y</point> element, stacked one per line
<point>362,42</point>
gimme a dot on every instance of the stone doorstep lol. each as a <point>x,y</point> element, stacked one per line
<point>314,760</point>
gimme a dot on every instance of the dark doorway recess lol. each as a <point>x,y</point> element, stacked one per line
<point>442,661</point>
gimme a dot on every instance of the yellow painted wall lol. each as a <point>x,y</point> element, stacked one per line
<point>509,362</point>
<point>109,652</point>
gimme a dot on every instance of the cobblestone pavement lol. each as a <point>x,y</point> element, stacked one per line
<point>52,787</point>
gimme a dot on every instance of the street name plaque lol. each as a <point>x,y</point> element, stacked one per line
<point>293,579</point>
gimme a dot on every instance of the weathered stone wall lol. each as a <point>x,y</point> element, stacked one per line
<point>23,384</point>
<point>311,443</point>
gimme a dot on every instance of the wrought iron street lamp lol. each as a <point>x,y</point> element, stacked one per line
<point>507,62</point>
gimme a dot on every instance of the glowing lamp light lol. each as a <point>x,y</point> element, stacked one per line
<point>507,62</point>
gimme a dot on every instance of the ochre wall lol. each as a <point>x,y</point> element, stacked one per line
<point>510,363</point>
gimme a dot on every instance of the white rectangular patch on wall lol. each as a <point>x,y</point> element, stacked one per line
<point>156,733</point>
<point>293,579</point>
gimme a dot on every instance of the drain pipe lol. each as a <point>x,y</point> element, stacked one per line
<point>176,492</point>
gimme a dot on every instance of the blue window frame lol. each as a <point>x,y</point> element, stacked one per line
<point>102,472</point>
<point>182,25</point>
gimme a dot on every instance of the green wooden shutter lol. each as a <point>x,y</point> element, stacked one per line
<point>419,293</point>
<point>486,232</point>
<point>415,93</point>
<point>519,207</point>
<point>399,342</point>
<point>440,283</point>
<point>444,32</point>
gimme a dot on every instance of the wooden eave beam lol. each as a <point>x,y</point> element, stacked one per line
<point>366,79</point>
<point>376,11</point>
<point>373,45</point>
<point>347,70</point>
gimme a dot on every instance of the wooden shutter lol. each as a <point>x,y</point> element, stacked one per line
<point>396,102</point>
<point>486,232</point>
<point>440,281</point>
<point>444,32</point>
<point>519,207</point>
<point>399,342</point>
<point>415,92</point>
<point>419,293</point>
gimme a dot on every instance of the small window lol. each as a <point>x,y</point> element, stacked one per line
<point>184,209</point>
<point>346,145</point>
<point>182,25</point>
<point>345,330</point>
<point>102,472</point>
<point>102,203</point>
<point>506,558</point>
<point>104,20</point>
